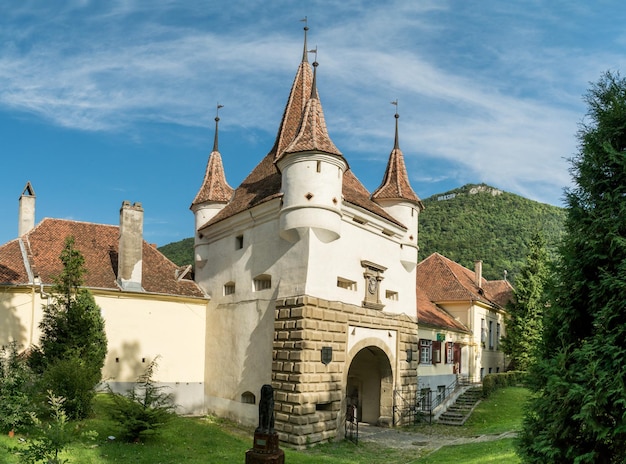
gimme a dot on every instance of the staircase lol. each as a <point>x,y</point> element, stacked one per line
<point>459,412</point>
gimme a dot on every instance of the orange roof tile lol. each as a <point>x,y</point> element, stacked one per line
<point>396,185</point>
<point>444,280</point>
<point>99,246</point>
<point>214,186</point>
<point>430,314</point>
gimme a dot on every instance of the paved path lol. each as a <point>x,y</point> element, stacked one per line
<point>395,438</point>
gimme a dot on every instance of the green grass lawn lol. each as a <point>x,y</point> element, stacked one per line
<point>210,440</point>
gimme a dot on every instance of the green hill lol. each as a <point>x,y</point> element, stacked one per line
<point>469,223</point>
<point>477,221</point>
<point>180,252</point>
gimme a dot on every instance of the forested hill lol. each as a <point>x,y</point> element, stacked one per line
<point>469,223</point>
<point>481,222</point>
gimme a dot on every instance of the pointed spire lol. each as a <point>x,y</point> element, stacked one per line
<point>314,84</point>
<point>214,187</point>
<point>313,134</point>
<point>396,185</point>
<point>217,120</point>
<point>300,93</point>
<point>305,58</point>
<point>396,144</point>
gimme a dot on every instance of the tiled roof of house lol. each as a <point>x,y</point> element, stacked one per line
<point>444,280</point>
<point>264,182</point>
<point>428,313</point>
<point>396,185</point>
<point>98,244</point>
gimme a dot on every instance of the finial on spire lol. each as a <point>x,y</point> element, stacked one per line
<point>396,144</point>
<point>217,120</point>
<point>315,65</point>
<point>305,58</point>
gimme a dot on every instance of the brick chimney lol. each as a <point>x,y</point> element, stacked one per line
<point>478,273</point>
<point>130,253</point>
<point>26,212</point>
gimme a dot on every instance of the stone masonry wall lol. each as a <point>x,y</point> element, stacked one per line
<point>309,395</point>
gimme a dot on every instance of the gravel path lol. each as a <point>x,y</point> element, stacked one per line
<point>394,438</point>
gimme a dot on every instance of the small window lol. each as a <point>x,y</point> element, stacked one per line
<point>359,220</point>
<point>498,335</point>
<point>229,288</point>
<point>491,335</point>
<point>238,242</point>
<point>248,398</point>
<point>319,166</point>
<point>388,232</point>
<point>262,282</point>
<point>426,349</point>
<point>441,393</point>
<point>346,283</point>
<point>391,295</point>
<point>324,406</point>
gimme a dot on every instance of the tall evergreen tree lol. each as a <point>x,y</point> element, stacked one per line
<point>73,342</point>
<point>525,323</point>
<point>579,411</point>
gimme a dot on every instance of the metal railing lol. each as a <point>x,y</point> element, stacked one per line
<point>351,425</point>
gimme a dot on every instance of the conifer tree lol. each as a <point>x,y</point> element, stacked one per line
<point>73,344</point>
<point>525,323</point>
<point>579,411</point>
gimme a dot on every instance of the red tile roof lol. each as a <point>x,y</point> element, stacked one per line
<point>99,245</point>
<point>428,313</point>
<point>396,185</point>
<point>214,186</point>
<point>444,280</point>
<point>264,182</point>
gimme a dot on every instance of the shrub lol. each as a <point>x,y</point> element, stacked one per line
<point>15,390</point>
<point>493,382</point>
<point>144,409</point>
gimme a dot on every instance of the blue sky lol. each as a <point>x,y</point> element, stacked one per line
<point>105,101</point>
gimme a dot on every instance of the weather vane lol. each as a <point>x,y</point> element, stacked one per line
<point>395,103</point>
<point>217,111</point>
<point>314,51</point>
<point>306,23</point>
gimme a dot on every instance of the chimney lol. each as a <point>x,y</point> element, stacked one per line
<point>129,261</point>
<point>478,273</point>
<point>26,213</point>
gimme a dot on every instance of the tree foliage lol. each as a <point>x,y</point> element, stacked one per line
<point>525,323</point>
<point>15,389</point>
<point>480,222</point>
<point>73,344</point>
<point>579,411</point>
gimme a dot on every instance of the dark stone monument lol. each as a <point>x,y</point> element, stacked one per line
<point>265,448</point>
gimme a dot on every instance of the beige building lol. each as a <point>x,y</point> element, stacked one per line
<point>150,306</point>
<point>476,303</point>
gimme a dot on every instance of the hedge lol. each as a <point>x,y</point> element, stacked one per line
<point>493,382</point>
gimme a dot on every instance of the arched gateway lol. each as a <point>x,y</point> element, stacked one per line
<point>369,386</point>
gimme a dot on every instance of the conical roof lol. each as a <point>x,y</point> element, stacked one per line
<point>214,186</point>
<point>396,185</point>
<point>313,134</point>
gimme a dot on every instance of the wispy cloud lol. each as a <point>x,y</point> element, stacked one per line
<point>488,89</point>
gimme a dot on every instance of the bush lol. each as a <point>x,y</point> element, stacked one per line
<point>73,380</point>
<point>493,382</point>
<point>15,390</point>
<point>144,409</point>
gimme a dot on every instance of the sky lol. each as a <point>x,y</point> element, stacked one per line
<point>106,101</point>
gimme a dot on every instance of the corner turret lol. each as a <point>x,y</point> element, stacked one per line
<point>312,170</point>
<point>396,196</point>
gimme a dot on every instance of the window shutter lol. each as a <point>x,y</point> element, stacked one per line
<point>436,352</point>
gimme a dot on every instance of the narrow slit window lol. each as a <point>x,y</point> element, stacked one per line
<point>238,242</point>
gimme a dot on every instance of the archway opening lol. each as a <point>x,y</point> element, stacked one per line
<point>370,386</point>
